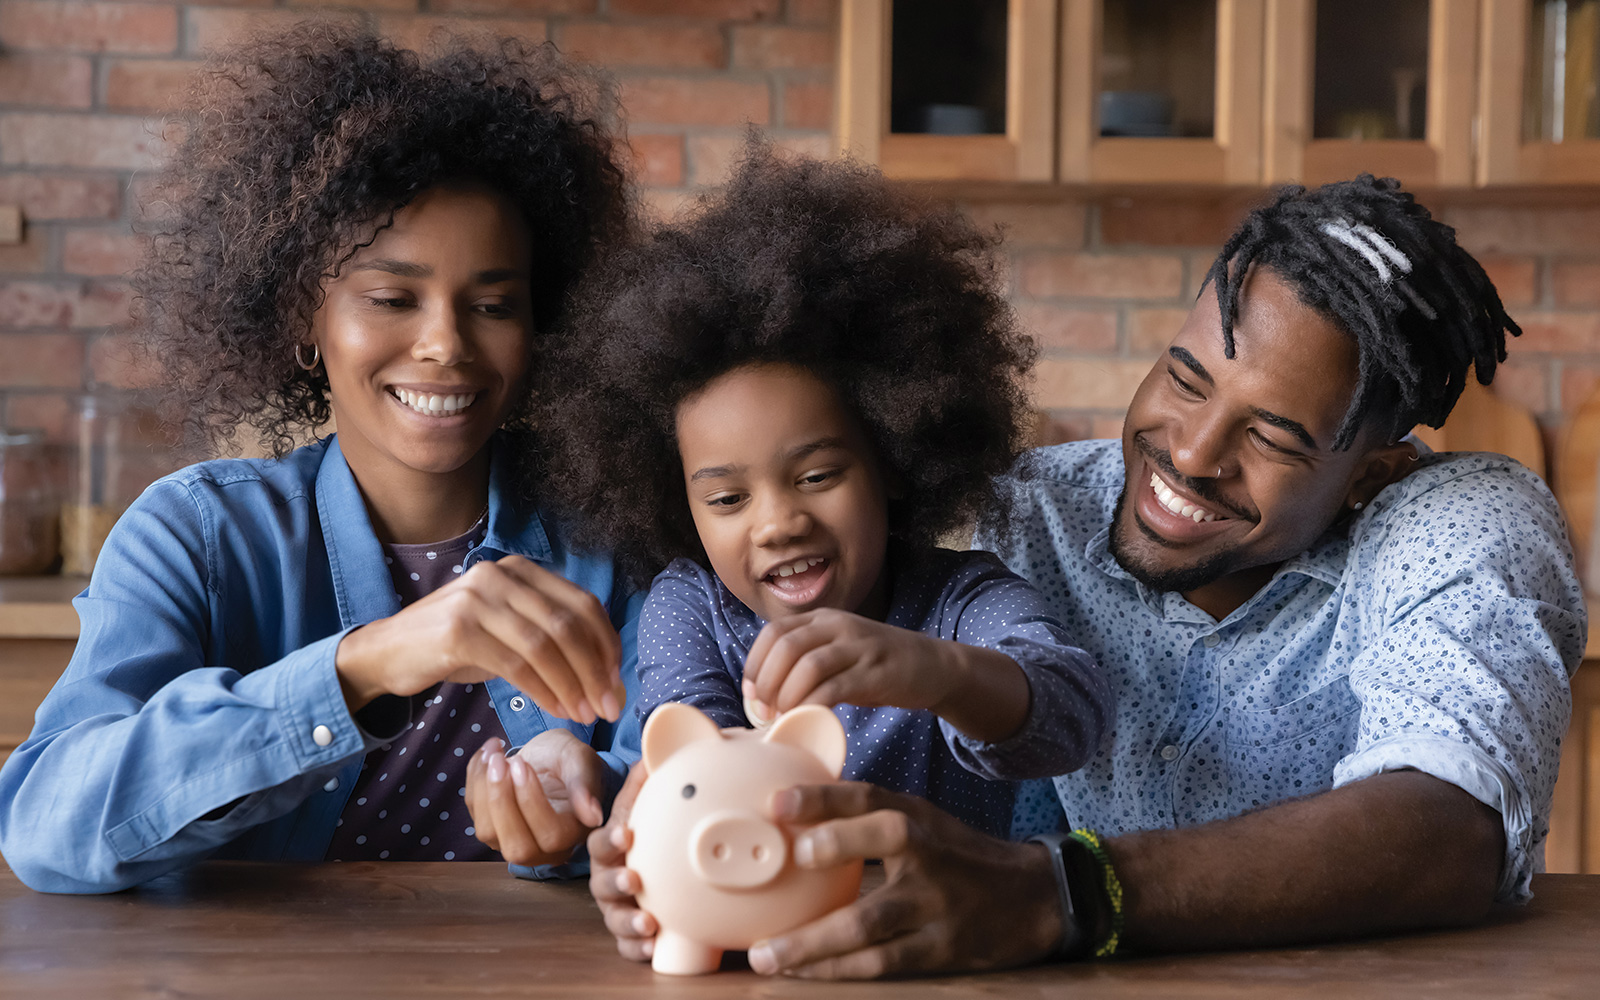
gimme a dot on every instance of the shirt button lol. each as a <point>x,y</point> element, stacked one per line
<point>518,703</point>
<point>1169,752</point>
<point>322,736</point>
<point>1212,640</point>
<point>332,785</point>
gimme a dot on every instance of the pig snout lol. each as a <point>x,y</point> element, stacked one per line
<point>737,850</point>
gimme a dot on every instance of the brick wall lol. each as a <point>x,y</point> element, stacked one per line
<point>1101,278</point>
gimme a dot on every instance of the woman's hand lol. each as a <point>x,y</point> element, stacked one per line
<point>831,657</point>
<point>535,807</point>
<point>612,884</point>
<point>509,618</point>
<point>953,899</point>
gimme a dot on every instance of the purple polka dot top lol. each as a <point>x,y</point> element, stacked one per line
<point>409,803</point>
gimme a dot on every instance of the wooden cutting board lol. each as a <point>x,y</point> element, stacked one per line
<point>1482,421</point>
<point>1577,485</point>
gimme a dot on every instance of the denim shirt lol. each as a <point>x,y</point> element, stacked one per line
<point>201,715</point>
<point>1433,631</point>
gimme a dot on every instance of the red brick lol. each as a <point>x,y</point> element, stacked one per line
<point>46,81</point>
<point>55,413</point>
<point>663,206</point>
<point>89,27</point>
<point>812,12</point>
<point>772,47</point>
<point>146,84</point>
<point>666,46</point>
<point>1576,283</point>
<point>31,256</point>
<point>722,10</point>
<point>1059,427</point>
<point>808,105</point>
<point>85,305</point>
<point>211,29</point>
<point>1087,383</point>
<point>1569,332</point>
<point>415,31</point>
<point>1525,382</point>
<point>679,101</point>
<point>118,361</point>
<point>52,196</point>
<point>391,5</point>
<point>1492,230</point>
<point>1089,331</point>
<point>1156,221</point>
<point>41,360</point>
<point>513,6</point>
<point>656,160</point>
<point>1102,276</point>
<point>99,251</point>
<point>67,140</point>
<point>1056,224</point>
<point>1515,278</point>
<point>1151,330</point>
<point>712,157</point>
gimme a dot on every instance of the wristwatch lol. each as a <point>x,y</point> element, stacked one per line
<point>1078,890</point>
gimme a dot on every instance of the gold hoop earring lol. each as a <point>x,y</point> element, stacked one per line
<point>299,359</point>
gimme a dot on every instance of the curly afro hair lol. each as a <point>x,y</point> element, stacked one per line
<point>297,149</point>
<point>821,265</point>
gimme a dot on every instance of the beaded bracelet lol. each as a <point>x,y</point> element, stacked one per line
<point>1109,884</point>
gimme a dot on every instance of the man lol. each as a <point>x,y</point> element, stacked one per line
<point>1342,667</point>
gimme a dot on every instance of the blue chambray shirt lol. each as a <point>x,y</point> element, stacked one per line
<point>1435,631</point>
<point>204,673</point>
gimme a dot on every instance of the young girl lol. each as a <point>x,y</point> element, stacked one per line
<point>287,659</point>
<point>784,402</point>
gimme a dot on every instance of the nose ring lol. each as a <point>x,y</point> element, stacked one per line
<point>1219,473</point>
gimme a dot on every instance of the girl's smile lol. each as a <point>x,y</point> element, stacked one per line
<point>786,492</point>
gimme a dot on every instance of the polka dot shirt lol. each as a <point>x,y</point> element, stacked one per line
<point>409,804</point>
<point>694,636</point>
<point>1436,630</point>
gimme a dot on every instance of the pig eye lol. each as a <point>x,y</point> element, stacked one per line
<point>688,791</point>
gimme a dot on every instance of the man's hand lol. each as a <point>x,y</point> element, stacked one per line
<point>831,657</point>
<point>535,807</point>
<point>954,900</point>
<point>510,618</point>
<point>613,885</point>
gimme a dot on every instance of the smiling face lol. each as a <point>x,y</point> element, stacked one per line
<point>786,494</point>
<point>1229,463</point>
<point>426,335</point>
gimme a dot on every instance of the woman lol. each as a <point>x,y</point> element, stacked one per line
<point>296,658</point>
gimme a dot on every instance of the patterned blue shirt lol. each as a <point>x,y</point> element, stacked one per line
<point>694,636</point>
<point>1435,631</point>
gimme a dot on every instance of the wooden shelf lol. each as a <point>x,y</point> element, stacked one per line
<point>39,607</point>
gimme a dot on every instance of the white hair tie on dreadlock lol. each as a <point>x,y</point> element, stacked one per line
<point>1375,249</point>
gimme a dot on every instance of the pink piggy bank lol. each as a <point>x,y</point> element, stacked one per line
<point>715,871</point>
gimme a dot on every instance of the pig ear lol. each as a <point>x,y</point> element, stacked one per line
<point>672,726</point>
<point>814,729</point>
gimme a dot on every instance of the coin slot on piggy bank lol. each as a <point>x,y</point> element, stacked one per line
<point>715,870</point>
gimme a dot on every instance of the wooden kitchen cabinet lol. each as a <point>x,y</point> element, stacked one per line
<point>1540,93</point>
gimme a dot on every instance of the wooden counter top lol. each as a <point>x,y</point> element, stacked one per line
<point>39,607</point>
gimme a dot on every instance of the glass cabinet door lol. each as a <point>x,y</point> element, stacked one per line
<point>1378,86</point>
<point>949,89</point>
<point>1161,91</point>
<point>1547,130</point>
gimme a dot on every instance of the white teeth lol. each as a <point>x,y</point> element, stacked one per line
<point>798,566</point>
<point>1177,504</point>
<point>435,405</point>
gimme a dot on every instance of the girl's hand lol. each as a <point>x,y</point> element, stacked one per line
<point>614,885</point>
<point>535,807</point>
<point>831,657</point>
<point>510,618</point>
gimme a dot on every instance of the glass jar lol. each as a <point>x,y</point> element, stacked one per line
<point>29,496</point>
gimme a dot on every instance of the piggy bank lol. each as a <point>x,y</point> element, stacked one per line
<point>715,871</point>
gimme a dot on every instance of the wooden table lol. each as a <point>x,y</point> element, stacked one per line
<point>386,930</point>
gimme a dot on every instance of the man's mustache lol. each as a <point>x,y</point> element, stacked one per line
<point>1205,489</point>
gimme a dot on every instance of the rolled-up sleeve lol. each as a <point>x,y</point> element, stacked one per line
<point>1480,622</point>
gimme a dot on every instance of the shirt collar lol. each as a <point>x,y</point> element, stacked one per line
<point>361,584</point>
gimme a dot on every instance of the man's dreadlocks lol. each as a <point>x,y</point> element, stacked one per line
<point>1367,256</point>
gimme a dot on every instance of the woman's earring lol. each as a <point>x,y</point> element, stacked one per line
<point>299,359</point>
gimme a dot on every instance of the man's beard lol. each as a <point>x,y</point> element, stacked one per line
<point>1180,580</point>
